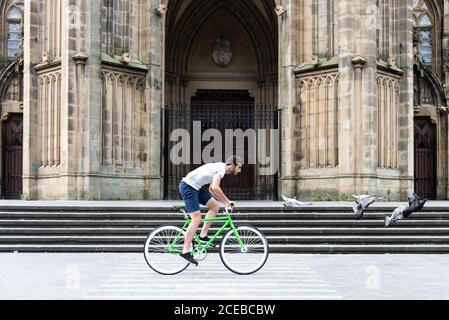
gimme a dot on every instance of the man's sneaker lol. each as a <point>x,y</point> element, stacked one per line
<point>188,257</point>
<point>388,221</point>
<point>205,240</point>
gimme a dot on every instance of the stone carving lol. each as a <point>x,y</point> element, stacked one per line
<point>280,10</point>
<point>387,121</point>
<point>315,61</point>
<point>49,118</point>
<point>126,58</point>
<point>45,56</point>
<point>122,120</point>
<point>161,9</point>
<point>391,62</point>
<point>222,52</point>
<point>317,120</point>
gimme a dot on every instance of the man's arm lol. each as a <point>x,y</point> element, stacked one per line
<point>216,191</point>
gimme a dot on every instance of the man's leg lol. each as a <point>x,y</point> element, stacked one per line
<point>214,207</point>
<point>190,232</point>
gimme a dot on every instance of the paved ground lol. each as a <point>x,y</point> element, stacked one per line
<point>126,276</point>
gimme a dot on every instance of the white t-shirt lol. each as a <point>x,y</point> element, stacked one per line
<point>204,174</point>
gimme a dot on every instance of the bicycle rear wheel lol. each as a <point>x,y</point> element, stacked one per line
<point>162,248</point>
<point>248,259</point>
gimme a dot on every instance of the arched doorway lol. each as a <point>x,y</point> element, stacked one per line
<point>221,69</point>
<point>430,133</point>
<point>425,157</point>
<point>11,131</point>
<point>12,151</point>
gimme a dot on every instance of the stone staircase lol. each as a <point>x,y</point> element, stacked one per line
<point>314,229</point>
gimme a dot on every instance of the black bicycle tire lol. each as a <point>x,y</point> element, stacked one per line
<point>165,274</point>
<point>266,258</point>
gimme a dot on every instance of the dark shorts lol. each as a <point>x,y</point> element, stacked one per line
<point>193,197</point>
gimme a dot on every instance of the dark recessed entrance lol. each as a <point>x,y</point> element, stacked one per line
<point>12,134</point>
<point>425,158</point>
<point>221,110</point>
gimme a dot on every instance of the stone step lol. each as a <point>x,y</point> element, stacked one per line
<point>139,240</point>
<point>119,207</point>
<point>239,215</point>
<point>291,248</point>
<point>139,206</point>
<point>314,229</point>
<point>260,223</point>
<point>265,230</point>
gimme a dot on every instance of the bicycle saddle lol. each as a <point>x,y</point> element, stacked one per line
<point>180,206</point>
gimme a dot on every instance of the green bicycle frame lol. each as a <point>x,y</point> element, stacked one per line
<point>228,222</point>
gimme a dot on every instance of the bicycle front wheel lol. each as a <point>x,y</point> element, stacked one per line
<point>246,257</point>
<point>162,248</point>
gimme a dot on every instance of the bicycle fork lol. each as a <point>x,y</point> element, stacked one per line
<point>242,245</point>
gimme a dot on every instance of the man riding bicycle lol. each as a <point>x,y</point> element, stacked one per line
<point>193,195</point>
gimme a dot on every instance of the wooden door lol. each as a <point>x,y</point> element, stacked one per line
<point>425,158</point>
<point>12,133</point>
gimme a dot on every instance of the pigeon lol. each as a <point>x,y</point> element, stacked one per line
<point>288,202</point>
<point>362,203</point>
<point>398,214</point>
<point>415,204</point>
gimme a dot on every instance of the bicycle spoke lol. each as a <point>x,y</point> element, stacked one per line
<point>157,253</point>
<point>248,259</point>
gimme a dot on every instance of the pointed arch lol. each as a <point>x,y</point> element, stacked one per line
<point>181,32</point>
<point>427,25</point>
<point>10,27</point>
<point>11,81</point>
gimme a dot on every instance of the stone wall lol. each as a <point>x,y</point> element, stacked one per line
<point>49,115</point>
<point>346,103</point>
<point>32,56</point>
<point>123,119</point>
<point>317,120</point>
<point>387,121</point>
<point>367,141</point>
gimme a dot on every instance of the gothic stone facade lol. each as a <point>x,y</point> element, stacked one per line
<point>352,80</point>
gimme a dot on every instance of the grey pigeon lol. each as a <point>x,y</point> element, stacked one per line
<point>362,203</point>
<point>415,204</point>
<point>288,202</point>
<point>398,214</point>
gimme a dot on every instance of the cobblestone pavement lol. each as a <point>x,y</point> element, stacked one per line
<point>127,276</point>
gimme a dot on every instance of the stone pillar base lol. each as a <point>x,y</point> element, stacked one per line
<point>94,188</point>
<point>342,187</point>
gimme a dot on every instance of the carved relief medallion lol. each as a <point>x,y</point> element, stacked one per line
<point>222,52</point>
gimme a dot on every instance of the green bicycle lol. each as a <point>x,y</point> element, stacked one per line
<point>243,250</point>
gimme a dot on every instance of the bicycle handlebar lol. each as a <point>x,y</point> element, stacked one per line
<point>228,210</point>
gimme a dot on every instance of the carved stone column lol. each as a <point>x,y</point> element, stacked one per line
<point>358,63</point>
<point>286,96</point>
